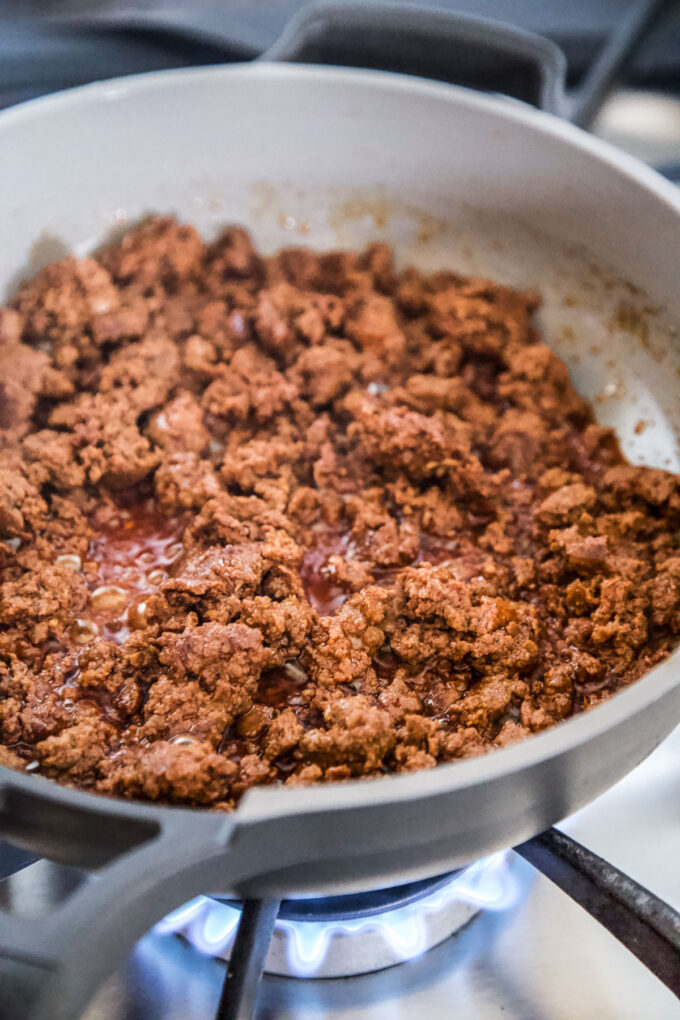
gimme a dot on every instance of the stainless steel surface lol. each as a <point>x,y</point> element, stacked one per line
<point>544,959</point>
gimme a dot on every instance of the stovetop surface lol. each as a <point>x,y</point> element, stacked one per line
<point>542,959</point>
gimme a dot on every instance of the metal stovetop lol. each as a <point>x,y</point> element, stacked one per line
<point>542,959</point>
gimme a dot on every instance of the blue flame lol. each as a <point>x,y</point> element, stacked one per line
<point>211,926</point>
<point>183,915</point>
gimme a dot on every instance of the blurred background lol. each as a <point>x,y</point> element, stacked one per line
<point>46,46</point>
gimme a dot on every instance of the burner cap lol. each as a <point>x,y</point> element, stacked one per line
<point>341,936</point>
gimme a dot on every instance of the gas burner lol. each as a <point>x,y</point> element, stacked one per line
<point>342,936</point>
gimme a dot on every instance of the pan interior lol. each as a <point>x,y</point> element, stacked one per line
<point>330,157</point>
<point>327,159</point>
<point>620,345</point>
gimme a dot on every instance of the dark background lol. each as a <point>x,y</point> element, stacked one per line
<point>46,45</point>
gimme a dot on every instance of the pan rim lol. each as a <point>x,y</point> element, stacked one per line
<point>270,803</point>
<point>110,90</point>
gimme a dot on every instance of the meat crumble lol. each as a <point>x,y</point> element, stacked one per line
<point>302,518</point>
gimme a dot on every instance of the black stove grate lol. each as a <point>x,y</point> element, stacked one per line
<point>646,925</point>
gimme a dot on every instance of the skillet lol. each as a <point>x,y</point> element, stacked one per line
<point>451,178</point>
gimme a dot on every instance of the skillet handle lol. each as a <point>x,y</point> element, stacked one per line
<point>51,966</point>
<point>645,925</point>
<point>459,48</point>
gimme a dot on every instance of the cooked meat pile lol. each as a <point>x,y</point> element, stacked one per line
<point>303,518</point>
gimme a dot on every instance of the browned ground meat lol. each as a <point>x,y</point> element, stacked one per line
<point>302,518</point>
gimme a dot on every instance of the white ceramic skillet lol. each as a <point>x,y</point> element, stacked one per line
<point>336,157</point>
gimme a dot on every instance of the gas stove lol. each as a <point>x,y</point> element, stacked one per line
<point>350,935</point>
<point>494,939</point>
<point>497,939</point>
